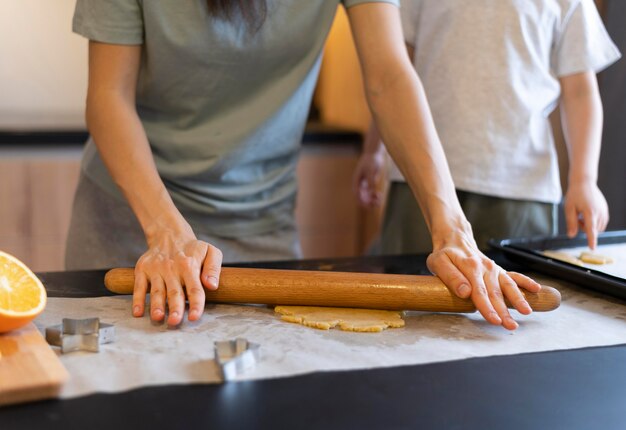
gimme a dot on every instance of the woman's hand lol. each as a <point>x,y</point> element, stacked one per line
<point>468,273</point>
<point>176,266</point>
<point>176,263</point>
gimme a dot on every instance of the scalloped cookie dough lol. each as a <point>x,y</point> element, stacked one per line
<point>347,319</point>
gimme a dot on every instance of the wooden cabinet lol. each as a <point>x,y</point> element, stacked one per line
<point>37,186</point>
<point>36,190</point>
<point>330,221</point>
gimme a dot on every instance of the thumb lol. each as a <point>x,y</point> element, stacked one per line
<point>211,267</point>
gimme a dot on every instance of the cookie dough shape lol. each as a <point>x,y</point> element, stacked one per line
<point>563,256</point>
<point>593,258</point>
<point>347,319</point>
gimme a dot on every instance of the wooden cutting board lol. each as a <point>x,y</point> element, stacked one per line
<point>29,368</point>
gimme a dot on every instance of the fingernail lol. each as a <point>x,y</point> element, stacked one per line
<point>194,314</point>
<point>157,313</point>
<point>464,290</point>
<point>496,318</point>
<point>212,282</point>
<point>136,310</point>
<point>512,323</point>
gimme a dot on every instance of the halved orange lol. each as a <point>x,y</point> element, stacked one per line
<point>22,295</point>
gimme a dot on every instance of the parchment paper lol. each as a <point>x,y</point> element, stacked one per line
<point>153,354</point>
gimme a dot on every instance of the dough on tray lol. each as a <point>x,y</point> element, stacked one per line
<point>562,256</point>
<point>347,319</point>
<point>593,258</point>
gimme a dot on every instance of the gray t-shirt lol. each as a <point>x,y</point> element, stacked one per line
<point>491,69</point>
<point>224,108</point>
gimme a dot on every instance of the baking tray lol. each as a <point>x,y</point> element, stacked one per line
<point>527,252</point>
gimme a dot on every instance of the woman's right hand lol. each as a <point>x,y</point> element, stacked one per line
<point>177,266</point>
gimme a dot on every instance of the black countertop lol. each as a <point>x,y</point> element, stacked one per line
<point>315,132</point>
<point>573,389</point>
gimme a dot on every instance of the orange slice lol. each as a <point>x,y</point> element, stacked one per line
<point>22,295</point>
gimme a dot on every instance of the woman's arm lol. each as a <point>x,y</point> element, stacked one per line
<point>581,116</point>
<point>401,112</point>
<point>175,259</point>
<point>371,164</point>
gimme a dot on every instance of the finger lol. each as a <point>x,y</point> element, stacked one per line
<point>364,194</point>
<point>602,222</point>
<point>472,268</point>
<point>480,298</point>
<point>496,297</point>
<point>195,294</point>
<point>157,298</point>
<point>211,267</point>
<point>607,218</point>
<point>590,229</point>
<point>139,293</point>
<point>441,265</point>
<point>513,294</point>
<point>571,220</point>
<point>358,178</point>
<point>377,199</point>
<point>175,300</point>
<point>525,282</point>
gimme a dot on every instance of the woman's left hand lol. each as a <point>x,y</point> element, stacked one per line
<point>469,273</point>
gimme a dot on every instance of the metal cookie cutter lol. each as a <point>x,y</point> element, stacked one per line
<point>80,334</point>
<point>236,356</point>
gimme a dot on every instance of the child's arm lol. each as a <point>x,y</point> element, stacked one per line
<point>370,167</point>
<point>581,115</point>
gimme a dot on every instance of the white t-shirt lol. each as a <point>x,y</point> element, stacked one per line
<point>490,70</point>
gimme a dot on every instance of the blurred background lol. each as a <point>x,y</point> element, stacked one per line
<point>43,79</point>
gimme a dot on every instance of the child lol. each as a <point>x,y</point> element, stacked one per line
<point>493,71</point>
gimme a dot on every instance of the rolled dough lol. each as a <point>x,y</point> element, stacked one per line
<point>347,319</point>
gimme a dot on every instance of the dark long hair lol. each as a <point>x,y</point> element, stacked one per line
<point>253,12</point>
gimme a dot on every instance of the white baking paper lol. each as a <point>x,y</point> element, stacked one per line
<point>145,353</point>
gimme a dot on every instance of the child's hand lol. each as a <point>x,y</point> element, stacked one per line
<point>585,208</point>
<point>367,176</point>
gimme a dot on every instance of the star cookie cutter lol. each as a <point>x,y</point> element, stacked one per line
<point>80,334</point>
<point>236,356</point>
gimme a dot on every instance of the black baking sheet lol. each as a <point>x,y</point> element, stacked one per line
<point>527,252</point>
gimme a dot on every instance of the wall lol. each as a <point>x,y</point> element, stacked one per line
<point>612,171</point>
<point>43,66</point>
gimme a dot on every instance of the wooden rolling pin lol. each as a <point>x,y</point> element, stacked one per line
<point>338,289</point>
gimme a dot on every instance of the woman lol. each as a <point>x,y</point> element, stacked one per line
<point>196,110</point>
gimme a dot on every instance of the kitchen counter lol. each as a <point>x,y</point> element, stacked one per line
<point>573,389</point>
<point>315,132</point>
